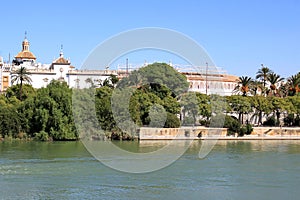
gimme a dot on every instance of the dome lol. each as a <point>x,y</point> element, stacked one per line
<point>25,55</point>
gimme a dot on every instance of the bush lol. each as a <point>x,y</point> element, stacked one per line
<point>41,136</point>
<point>246,130</point>
<point>232,124</point>
<point>271,121</point>
<point>172,121</point>
<point>289,120</point>
<point>249,129</point>
<point>225,121</point>
<point>297,121</point>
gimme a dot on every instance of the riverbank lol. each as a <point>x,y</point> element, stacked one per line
<point>205,133</point>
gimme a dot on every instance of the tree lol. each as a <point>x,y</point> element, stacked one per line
<point>274,79</point>
<point>261,106</point>
<point>241,105</point>
<point>103,108</point>
<point>244,85</point>
<point>278,105</point>
<point>263,74</point>
<point>293,84</point>
<point>21,75</point>
<point>204,105</point>
<point>50,112</point>
<point>189,105</point>
<point>158,75</point>
<point>10,121</point>
<point>27,91</point>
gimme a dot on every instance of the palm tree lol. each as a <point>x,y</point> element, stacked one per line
<point>294,84</point>
<point>257,87</point>
<point>274,79</point>
<point>21,75</point>
<point>244,85</point>
<point>90,82</point>
<point>263,74</point>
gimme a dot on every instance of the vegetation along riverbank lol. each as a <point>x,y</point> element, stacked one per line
<point>46,113</point>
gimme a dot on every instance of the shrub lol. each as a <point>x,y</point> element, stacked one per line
<point>41,136</point>
<point>232,124</point>
<point>172,121</point>
<point>225,121</point>
<point>271,121</point>
<point>289,120</point>
<point>246,130</point>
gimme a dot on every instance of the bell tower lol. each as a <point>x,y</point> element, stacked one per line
<point>25,43</point>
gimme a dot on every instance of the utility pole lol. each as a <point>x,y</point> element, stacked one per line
<point>206,86</point>
<point>127,66</point>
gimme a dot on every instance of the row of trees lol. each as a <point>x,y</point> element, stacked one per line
<point>268,83</point>
<point>157,96</point>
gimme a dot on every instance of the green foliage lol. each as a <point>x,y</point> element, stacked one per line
<point>246,130</point>
<point>159,78</point>
<point>20,76</point>
<point>27,91</point>
<point>157,116</point>
<point>271,121</point>
<point>232,124</point>
<point>50,112</point>
<point>190,109</point>
<point>225,121</point>
<point>153,96</point>
<point>240,105</point>
<point>189,120</point>
<point>41,136</point>
<point>10,121</point>
<point>103,108</point>
<point>172,121</point>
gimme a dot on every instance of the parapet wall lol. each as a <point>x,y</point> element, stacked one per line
<point>180,133</point>
<point>200,132</point>
<point>276,131</point>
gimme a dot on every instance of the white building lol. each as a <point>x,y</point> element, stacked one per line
<point>42,74</point>
<point>61,69</point>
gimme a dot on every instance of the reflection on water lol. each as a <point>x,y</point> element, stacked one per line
<point>233,170</point>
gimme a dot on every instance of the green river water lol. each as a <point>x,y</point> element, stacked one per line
<point>233,170</point>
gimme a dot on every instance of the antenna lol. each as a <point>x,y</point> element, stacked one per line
<point>25,34</point>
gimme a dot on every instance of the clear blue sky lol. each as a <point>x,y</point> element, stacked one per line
<point>238,35</point>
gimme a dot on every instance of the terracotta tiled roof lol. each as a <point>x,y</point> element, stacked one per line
<point>61,60</point>
<point>25,54</point>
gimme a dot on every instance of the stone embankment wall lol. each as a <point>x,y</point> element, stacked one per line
<point>276,131</point>
<point>201,132</point>
<point>180,133</point>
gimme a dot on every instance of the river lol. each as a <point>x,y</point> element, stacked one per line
<point>232,170</point>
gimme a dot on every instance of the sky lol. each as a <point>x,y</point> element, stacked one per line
<point>239,35</point>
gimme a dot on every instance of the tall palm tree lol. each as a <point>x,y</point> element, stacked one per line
<point>244,85</point>
<point>263,74</point>
<point>21,75</point>
<point>274,79</point>
<point>294,84</point>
